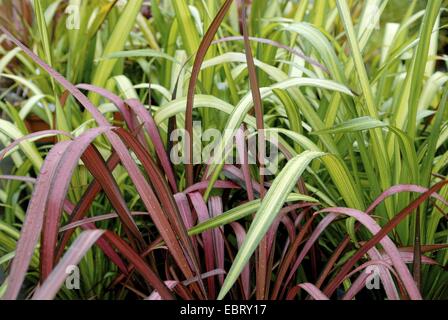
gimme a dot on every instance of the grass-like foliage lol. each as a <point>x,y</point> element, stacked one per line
<point>356,93</point>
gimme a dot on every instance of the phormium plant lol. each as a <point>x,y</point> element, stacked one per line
<point>350,204</point>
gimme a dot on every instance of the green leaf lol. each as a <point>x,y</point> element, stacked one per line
<point>188,31</point>
<point>115,43</point>
<point>240,212</point>
<point>28,148</point>
<point>419,62</point>
<point>354,125</point>
<point>138,54</point>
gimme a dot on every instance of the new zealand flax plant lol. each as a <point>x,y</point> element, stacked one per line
<point>356,98</point>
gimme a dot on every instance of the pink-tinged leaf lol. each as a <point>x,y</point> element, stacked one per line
<point>187,217</point>
<point>207,238</point>
<point>408,257</point>
<point>340,249</point>
<point>240,234</point>
<point>60,184</point>
<point>373,263</point>
<point>241,147</point>
<point>163,209</point>
<point>156,296</point>
<point>332,286</point>
<point>311,289</point>
<point>388,246</point>
<point>426,248</point>
<point>51,286</point>
<point>82,207</point>
<point>298,220</point>
<point>32,225</point>
<point>45,133</point>
<point>360,282</point>
<point>154,134</point>
<point>400,189</point>
<point>172,284</point>
<point>69,207</point>
<point>216,272</point>
<point>18,178</point>
<point>94,219</point>
<point>94,188</point>
<point>407,254</point>
<point>116,100</point>
<point>204,184</point>
<point>386,277</point>
<point>215,209</point>
<point>235,172</point>
<point>184,210</point>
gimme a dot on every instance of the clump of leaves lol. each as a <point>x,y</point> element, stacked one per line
<point>200,231</point>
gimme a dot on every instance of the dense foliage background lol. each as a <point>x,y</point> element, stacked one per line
<point>355,90</point>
